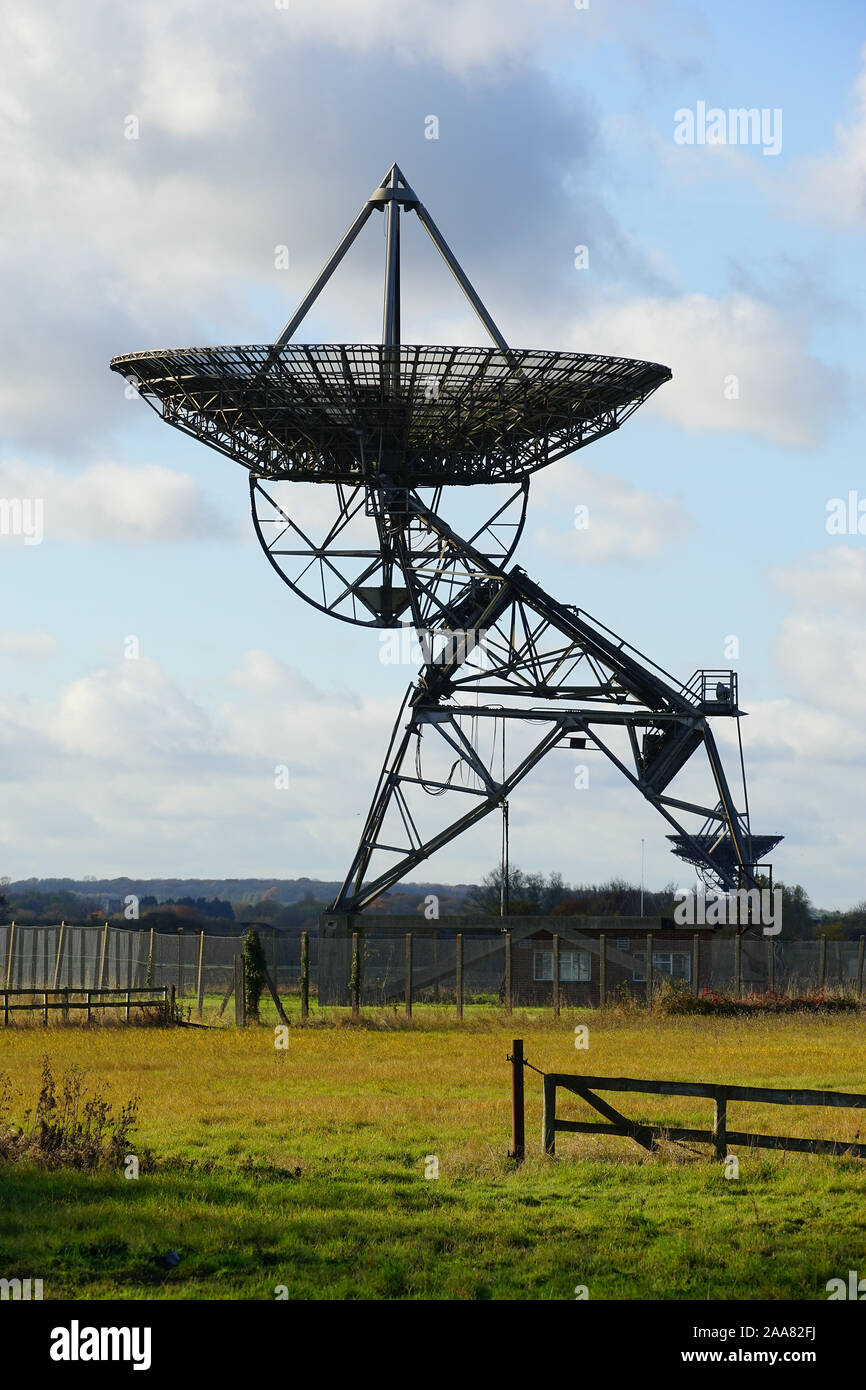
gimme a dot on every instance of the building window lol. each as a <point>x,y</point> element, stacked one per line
<point>573,966</point>
<point>623,943</point>
<point>669,965</point>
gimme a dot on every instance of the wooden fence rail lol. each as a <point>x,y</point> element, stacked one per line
<point>64,999</point>
<point>719,1136</point>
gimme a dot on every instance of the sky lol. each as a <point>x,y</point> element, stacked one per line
<point>154,671</point>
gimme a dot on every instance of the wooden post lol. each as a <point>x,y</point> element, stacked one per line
<point>408,974</point>
<point>88,1005</point>
<point>102,957</point>
<point>518,1137</point>
<point>459,971</point>
<point>199,983</point>
<point>240,992</point>
<point>649,970</point>
<point>127,1006</point>
<point>276,998</point>
<point>509,979</point>
<point>771,965</point>
<point>602,970</point>
<point>305,976</point>
<point>822,960</point>
<point>355,980</point>
<point>548,1117</point>
<point>696,963</point>
<point>11,957</point>
<point>180,962</point>
<point>173,1004</point>
<point>149,981</point>
<point>720,1123</point>
<point>45,1008</point>
<point>555,975</point>
<point>57,962</point>
<point>66,1005</point>
<point>860,969</point>
<point>5,1008</point>
<point>226,997</point>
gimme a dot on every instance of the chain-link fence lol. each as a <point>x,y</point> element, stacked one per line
<point>530,964</point>
<point>100,957</point>
<point>540,963</point>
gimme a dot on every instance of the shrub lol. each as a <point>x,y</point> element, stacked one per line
<point>676,998</point>
<point>67,1127</point>
<point>256,965</point>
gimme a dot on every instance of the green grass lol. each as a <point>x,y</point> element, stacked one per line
<point>305,1168</point>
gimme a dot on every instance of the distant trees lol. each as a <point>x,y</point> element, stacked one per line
<point>528,894</point>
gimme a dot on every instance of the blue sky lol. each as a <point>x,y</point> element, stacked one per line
<point>261,127</point>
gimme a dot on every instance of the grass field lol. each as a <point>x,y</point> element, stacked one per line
<point>306,1167</point>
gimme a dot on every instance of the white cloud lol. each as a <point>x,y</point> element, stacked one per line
<point>782,393</point>
<point>113,501</point>
<point>623,522</point>
<point>835,578</point>
<point>832,187</point>
<point>25,645</point>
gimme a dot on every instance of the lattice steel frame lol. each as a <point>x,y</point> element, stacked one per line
<point>385,421</point>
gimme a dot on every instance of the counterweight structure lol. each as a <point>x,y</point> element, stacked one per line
<point>389,434</point>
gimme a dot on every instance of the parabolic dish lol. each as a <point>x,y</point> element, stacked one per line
<point>419,416</point>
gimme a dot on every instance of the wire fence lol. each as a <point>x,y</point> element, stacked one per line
<point>536,964</point>
<point>540,966</point>
<point>105,957</point>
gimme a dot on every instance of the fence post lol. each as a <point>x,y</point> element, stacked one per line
<point>88,1005</point>
<point>60,937</point>
<point>822,960</point>
<point>305,976</point>
<point>240,992</point>
<point>696,963</point>
<point>649,970</point>
<point>771,965</point>
<point>180,962</point>
<point>509,987</point>
<point>5,1008</point>
<point>127,1006</point>
<point>548,1116</point>
<point>860,969</point>
<point>103,954</point>
<point>11,957</point>
<point>149,978</point>
<point>720,1123</point>
<point>66,1005</point>
<point>408,974</point>
<point>45,1008</point>
<point>518,1137</point>
<point>199,984</point>
<point>556,975</point>
<point>459,982</point>
<point>602,970</point>
<point>738,967</point>
<point>355,982</point>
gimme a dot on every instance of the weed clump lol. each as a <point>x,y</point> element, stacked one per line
<point>67,1127</point>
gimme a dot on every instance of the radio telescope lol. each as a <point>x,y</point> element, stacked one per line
<point>386,436</point>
